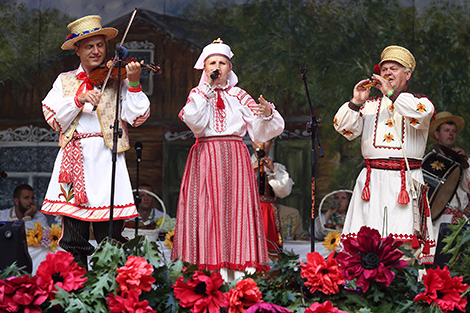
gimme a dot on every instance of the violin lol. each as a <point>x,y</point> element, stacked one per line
<point>99,74</point>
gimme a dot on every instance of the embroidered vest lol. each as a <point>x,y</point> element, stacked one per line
<point>106,112</point>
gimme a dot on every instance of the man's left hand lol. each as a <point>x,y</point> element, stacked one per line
<point>133,70</point>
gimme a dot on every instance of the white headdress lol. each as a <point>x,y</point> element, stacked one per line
<point>217,47</point>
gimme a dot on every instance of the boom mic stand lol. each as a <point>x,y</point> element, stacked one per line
<point>312,128</point>
<point>121,53</point>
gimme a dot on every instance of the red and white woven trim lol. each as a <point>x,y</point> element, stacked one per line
<point>71,167</point>
<point>394,165</point>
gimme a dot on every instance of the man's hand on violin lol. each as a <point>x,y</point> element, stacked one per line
<point>91,96</point>
<point>133,70</point>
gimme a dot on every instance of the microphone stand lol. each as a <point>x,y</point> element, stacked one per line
<point>117,133</point>
<point>138,146</point>
<point>312,128</point>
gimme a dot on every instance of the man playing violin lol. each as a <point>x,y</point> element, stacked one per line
<point>444,131</point>
<point>390,124</point>
<point>80,185</point>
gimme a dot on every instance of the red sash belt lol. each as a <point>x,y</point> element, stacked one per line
<point>71,167</point>
<point>394,165</point>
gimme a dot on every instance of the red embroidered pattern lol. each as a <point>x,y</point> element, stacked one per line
<point>49,115</point>
<point>71,167</point>
<point>376,125</point>
<point>219,121</point>
<point>141,119</point>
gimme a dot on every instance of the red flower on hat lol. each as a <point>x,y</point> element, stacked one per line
<point>245,294</point>
<point>443,290</point>
<point>135,275</point>
<point>201,293</point>
<point>377,68</point>
<point>322,275</point>
<point>128,304</point>
<point>325,307</point>
<point>370,258</point>
<point>21,294</point>
<point>59,269</point>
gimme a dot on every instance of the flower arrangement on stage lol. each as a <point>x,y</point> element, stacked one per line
<point>47,237</point>
<point>368,275</point>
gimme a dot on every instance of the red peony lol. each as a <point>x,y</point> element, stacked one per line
<point>325,307</point>
<point>128,304</point>
<point>135,275</point>
<point>201,293</point>
<point>21,294</point>
<point>370,258</point>
<point>322,275</point>
<point>443,290</point>
<point>59,269</point>
<point>245,294</point>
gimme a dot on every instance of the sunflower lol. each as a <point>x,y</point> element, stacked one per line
<point>34,235</point>
<point>55,234</point>
<point>331,240</point>
<point>169,238</point>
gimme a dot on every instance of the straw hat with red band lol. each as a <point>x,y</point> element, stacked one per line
<point>85,27</point>
<point>397,54</point>
<point>217,47</point>
<point>444,117</point>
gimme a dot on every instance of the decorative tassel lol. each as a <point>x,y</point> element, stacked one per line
<point>366,193</point>
<point>415,242</point>
<point>403,197</point>
<point>427,248</point>
<point>220,102</point>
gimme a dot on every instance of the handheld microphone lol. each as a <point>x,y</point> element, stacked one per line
<point>215,74</point>
<point>138,149</point>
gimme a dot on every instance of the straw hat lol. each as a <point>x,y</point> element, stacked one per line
<point>400,55</point>
<point>85,27</point>
<point>443,117</point>
<point>217,47</point>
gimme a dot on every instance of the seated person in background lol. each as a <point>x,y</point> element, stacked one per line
<point>334,217</point>
<point>273,182</point>
<point>24,208</point>
<point>291,224</point>
<point>147,209</point>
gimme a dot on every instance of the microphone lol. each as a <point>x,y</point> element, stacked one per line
<point>121,51</point>
<point>138,149</point>
<point>215,74</point>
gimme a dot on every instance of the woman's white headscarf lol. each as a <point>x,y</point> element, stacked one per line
<point>217,47</point>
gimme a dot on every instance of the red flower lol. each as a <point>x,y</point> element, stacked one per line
<point>135,275</point>
<point>370,258</point>
<point>128,304</point>
<point>322,275</point>
<point>21,294</point>
<point>201,293</point>
<point>59,270</point>
<point>264,307</point>
<point>245,294</point>
<point>443,290</point>
<point>325,307</point>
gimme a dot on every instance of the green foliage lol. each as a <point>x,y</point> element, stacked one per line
<point>33,38</point>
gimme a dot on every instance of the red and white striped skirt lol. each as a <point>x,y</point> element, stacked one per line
<point>219,223</point>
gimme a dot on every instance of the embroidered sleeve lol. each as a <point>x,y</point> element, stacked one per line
<point>196,112</point>
<point>348,121</point>
<point>135,105</point>
<point>417,110</point>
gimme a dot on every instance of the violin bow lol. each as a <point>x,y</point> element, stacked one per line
<point>116,57</point>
